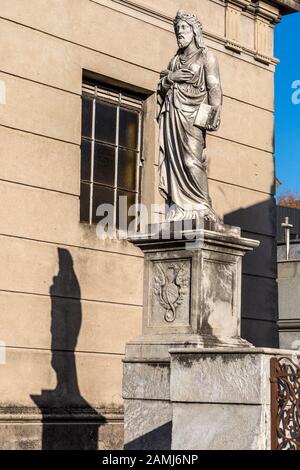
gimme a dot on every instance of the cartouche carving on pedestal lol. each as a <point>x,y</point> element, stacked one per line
<point>171,282</point>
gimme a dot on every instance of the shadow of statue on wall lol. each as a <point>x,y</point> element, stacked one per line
<point>69,422</point>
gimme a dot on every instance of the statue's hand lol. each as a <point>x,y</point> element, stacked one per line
<point>164,73</point>
<point>214,126</point>
<point>181,76</point>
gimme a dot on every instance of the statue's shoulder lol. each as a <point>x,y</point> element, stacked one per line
<point>209,57</point>
<point>204,55</point>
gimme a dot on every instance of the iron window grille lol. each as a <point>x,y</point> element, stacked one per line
<point>110,150</point>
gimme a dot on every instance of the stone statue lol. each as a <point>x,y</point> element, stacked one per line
<point>190,100</point>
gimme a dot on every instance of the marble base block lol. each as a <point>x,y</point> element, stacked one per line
<point>221,399</point>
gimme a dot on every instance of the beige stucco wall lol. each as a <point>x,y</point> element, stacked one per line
<point>44,48</point>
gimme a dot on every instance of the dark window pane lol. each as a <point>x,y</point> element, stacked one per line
<point>123,205</point>
<point>104,164</point>
<point>85,202</point>
<point>86,160</point>
<point>87,116</point>
<point>101,195</point>
<point>129,128</point>
<point>127,169</point>
<point>106,116</point>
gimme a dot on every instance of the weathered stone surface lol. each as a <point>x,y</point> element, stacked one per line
<point>219,427</point>
<point>192,286</point>
<point>239,376</point>
<point>148,425</point>
<point>221,398</point>
<point>217,378</point>
<point>146,381</point>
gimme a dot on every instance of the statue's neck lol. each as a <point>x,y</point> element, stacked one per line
<point>189,50</point>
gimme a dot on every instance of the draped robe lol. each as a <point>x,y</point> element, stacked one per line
<point>183,162</point>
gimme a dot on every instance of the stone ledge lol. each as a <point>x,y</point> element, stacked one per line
<point>155,349</point>
<point>222,376</point>
<point>286,324</point>
<point>221,350</point>
<point>33,415</point>
<point>173,235</point>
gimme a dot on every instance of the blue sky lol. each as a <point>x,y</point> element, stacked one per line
<point>287,114</point>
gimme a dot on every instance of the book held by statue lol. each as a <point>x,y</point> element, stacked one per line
<point>206,116</point>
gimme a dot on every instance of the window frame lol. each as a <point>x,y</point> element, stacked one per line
<point>120,98</point>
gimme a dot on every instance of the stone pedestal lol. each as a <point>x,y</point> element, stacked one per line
<point>192,292</point>
<point>192,288</point>
<point>221,398</point>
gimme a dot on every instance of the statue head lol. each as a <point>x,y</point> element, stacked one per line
<point>187,29</point>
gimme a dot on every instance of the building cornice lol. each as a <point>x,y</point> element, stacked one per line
<point>286,6</point>
<point>257,8</point>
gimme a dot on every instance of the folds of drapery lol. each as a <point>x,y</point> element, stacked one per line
<point>183,163</point>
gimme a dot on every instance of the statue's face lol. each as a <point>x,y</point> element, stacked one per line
<point>184,34</point>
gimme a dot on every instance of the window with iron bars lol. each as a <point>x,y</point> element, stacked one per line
<point>110,150</point>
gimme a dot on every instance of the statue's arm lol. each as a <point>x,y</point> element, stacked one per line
<point>165,83</point>
<point>162,89</point>
<point>213,83</point>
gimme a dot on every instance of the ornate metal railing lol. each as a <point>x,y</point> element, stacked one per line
<point>285,404</point>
